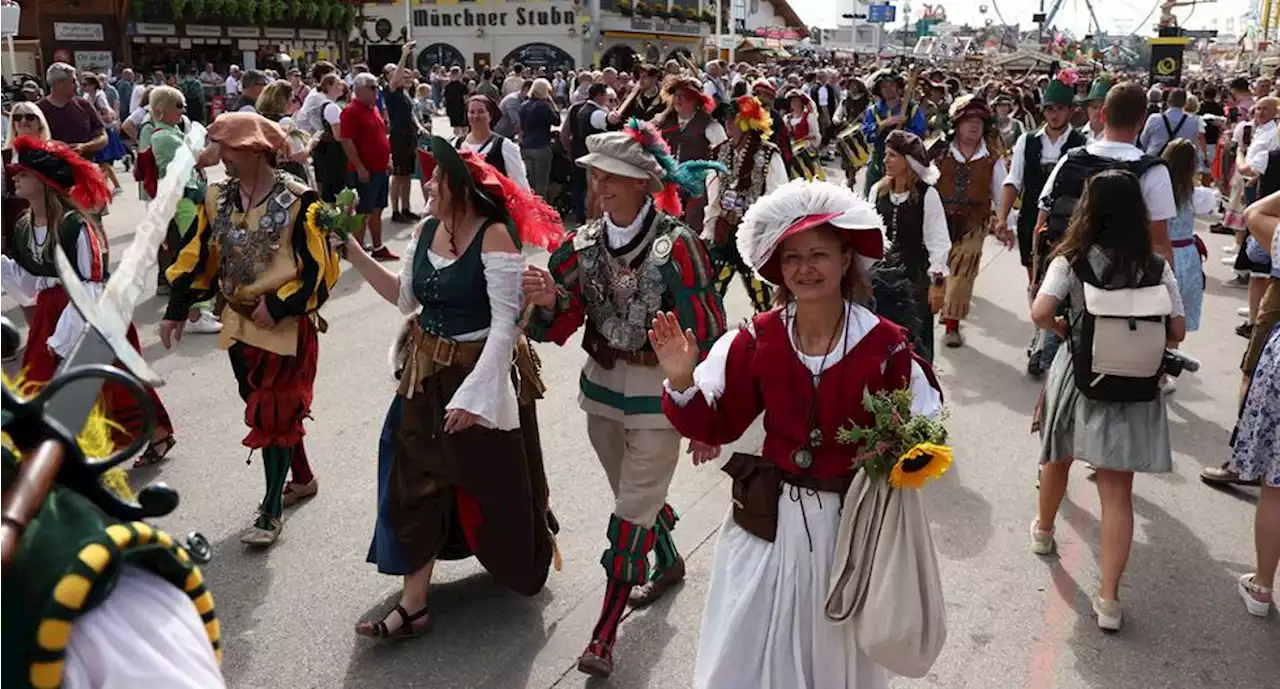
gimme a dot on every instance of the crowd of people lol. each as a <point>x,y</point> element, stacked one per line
<point>854,205</point>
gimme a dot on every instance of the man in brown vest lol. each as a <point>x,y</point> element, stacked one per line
<point>973,171</point>
<point>690,131</point>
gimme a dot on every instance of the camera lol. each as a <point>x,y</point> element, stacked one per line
<point>1175,362</point>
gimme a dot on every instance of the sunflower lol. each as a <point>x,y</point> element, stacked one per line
<point>919,465</point>
<point>313,224</point>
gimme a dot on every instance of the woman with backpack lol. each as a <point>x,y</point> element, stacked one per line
<point>1079,418</point>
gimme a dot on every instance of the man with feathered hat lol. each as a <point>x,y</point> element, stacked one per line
<point>690,131</point>
<point>972,176</point>
<point>887,113</point>
<point>614,275</point>
<point>1035,154</point>
<point>258,245</point>
<point>755,168</point>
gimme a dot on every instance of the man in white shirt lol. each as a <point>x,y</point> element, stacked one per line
<point>233,84</point>
<point>1123,112</point>
<point>1265,139</point>
<point>1034,155</point>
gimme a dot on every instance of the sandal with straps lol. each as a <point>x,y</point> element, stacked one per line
<point>407,629</point>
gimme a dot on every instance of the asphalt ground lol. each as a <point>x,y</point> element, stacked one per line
<point>1014,619</point>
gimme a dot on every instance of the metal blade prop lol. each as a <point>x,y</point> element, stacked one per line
<point>104,339</point>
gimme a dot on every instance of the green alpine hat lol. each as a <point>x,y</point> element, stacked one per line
<point>1061,89</point>
<point>1098,89</point>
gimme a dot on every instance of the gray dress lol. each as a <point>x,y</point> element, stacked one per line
<point>1124,436</point>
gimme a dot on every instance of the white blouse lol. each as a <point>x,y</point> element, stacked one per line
<point>937,239</point>
<point>709,377</point>
<point>510,158</point>
<point>25,288</point>
<point>487,390</point>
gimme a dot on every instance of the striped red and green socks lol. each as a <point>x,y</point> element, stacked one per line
<point>664,548</point>
<point>626,564</point>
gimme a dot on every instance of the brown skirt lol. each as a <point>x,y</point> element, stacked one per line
<point>480,491</point>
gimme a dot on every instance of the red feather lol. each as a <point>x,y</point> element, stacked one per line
<point>668,201</point>
<point>89,188</point>
<point>537,223</point>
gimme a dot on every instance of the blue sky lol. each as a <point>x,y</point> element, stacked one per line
<point>1114,16</point>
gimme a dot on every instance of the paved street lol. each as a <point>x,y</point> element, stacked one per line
<point>1015,620</point>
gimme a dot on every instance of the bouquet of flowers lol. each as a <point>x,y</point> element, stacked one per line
<point>338,217</point>
<point>885,580</point>
<point>907,449</point>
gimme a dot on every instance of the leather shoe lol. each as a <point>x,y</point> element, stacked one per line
<point>652,590</point>
<point>597,660</point>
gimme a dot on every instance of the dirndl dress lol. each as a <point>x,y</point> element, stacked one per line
<point>1121,436</point>
<point>114,150</point>
<point>1256,443</point>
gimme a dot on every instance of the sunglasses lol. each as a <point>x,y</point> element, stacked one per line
<point>26,117</point>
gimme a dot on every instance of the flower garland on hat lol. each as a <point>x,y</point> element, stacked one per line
<point>689,177</point>
<point>750,115</point>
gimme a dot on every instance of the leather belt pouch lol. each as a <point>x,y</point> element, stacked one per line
<point>757,484</point>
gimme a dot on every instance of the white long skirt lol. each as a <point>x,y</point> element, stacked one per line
<point>764,625</point>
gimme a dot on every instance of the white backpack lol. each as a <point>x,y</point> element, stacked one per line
<point>1118,343</point>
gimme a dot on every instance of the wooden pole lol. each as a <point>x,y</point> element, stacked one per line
<point>22,502</point>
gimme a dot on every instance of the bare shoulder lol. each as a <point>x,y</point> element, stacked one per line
<point>498,239</point>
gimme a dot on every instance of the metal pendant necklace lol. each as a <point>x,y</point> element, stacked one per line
<point>802,457</point>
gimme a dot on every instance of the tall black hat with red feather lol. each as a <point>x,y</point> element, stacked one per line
<point>62,169</point>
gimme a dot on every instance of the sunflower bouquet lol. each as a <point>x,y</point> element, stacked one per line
<point>905,449</point>
<point>338,216</point>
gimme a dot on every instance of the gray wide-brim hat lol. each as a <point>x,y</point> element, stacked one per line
<point>619,154</point>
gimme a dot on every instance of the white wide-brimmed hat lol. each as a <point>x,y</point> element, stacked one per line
<point>801,205</point>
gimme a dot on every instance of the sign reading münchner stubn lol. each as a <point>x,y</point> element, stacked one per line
<point>521,16</point>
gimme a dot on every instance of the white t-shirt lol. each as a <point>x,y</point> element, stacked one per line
<point>1264,142</point>
<point>1157,188</point>
<point>233,87</point>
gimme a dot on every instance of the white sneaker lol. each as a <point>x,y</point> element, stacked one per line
<point>1243,312</point>
<point>1249,590</point>
<point>1110,615</point>
<point>1229,260</point>
<point>1042,542</point>
<point>206,324</point>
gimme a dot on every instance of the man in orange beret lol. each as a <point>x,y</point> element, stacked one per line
<point>257,245</point>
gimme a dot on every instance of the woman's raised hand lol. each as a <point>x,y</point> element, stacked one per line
<point>677,349</point>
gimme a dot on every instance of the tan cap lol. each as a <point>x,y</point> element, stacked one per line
<point>618,153</point>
